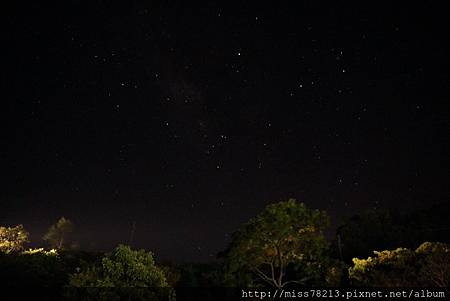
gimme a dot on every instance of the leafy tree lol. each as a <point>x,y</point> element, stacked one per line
<point>12,239</point>
<point>200,275</point>
<point>57,235</point>
<point>285,240</point>
<point>123,269</point>
<point>428,265</point>
<point>435,267</point>
<point>388,268</point>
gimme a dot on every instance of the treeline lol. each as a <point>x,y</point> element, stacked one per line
<point>284,247</point>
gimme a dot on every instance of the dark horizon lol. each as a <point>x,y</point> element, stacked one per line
<point>189,119</point>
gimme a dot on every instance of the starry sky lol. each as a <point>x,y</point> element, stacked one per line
<point>188,120</point>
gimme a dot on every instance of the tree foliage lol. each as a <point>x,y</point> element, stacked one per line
<point>435,264</point>
<point>58,234</point>
<point>122,270</point>
<point>285,237</point>
<point>12,239</point>
<point>428,265</point>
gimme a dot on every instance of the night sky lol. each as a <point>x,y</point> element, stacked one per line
<point>189,120</point>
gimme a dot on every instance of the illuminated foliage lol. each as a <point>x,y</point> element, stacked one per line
<point>33,267</point>
<point>285,236</point>
<point>428,265</point>
<point>58,233</point>
<point>387,268</point>
<point>51,252</point>
<point>12,239</point>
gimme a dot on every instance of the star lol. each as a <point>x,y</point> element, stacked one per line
<point>204,116</point>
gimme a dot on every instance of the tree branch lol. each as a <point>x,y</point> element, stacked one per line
<point>296,281</point>
<point>264,277</point>
<point>280,259</point>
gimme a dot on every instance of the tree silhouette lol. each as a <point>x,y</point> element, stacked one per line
<point>57,235</point>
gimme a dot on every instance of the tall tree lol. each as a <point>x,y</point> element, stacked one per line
<point>12,239</point>
<point>58,234</point>
<point>286,236</point>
